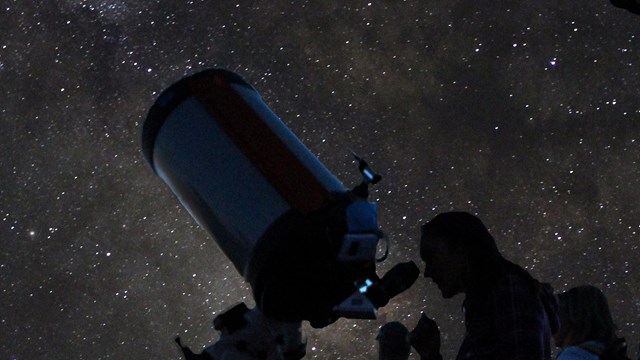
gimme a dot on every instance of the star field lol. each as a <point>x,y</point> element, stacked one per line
<point>528,116</point>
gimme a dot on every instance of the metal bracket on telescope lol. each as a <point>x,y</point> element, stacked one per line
<point>358,247</point>
<point>368,177</point>
<point>368,174</point>
<point>357,306</point>
<point>361,241</point>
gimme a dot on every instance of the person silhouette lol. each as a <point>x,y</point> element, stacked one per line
<point>587,330</point>
<point>508,314</point>
<point>188,354</point>
<point>632,6</point>
<point>393,342</point>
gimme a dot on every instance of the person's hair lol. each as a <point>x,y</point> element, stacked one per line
<point>585,316</point>
<point>465,231</point>
<point>393,339</point>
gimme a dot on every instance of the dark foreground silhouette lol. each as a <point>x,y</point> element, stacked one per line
<point>587,327</point>
<point>629,5</point>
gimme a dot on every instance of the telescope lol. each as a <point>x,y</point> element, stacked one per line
<point>305,243</point>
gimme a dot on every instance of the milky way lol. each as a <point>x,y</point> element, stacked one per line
<point>528,116</point>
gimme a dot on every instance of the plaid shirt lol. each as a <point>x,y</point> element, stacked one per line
<point>510,321</point>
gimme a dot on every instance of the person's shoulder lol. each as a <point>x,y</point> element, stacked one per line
<point>576,353</point>
<point>515,276</point>
<point>521,294</point>
<point>513,282</point>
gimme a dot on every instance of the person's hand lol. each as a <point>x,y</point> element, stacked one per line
<point>425,339</point>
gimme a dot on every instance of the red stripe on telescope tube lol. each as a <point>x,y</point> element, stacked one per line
<point>288,175</point>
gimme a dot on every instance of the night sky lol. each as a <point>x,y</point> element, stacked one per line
<point>524,113</point>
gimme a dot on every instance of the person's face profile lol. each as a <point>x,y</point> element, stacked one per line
<point>444,265</point>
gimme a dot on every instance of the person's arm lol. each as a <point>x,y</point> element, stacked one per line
<point>520,322</point>
<point>425,339</point>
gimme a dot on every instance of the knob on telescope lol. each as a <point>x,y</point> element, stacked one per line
<point>368,177</point>
<point>368,174</point>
